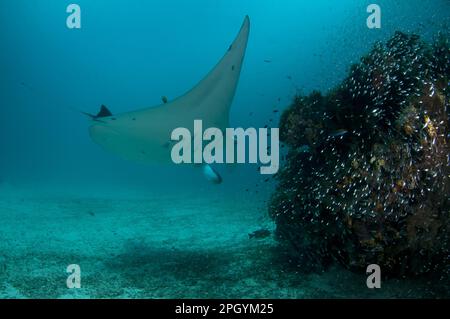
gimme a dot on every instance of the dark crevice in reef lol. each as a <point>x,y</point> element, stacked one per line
<point>367,177</point>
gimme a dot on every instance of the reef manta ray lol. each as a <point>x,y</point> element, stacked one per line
<point>145,135</point>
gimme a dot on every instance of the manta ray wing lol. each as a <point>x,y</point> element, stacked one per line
<point>144,135</point>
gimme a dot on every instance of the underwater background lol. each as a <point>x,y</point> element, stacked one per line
<point>157,231</point>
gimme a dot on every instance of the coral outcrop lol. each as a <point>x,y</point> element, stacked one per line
<point>374,183</point>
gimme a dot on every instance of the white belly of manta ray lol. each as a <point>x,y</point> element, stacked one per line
<point>145,135</point>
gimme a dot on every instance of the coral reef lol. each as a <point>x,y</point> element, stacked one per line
<point>374,185</point>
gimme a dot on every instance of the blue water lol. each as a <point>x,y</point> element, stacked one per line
<point>130,53</point>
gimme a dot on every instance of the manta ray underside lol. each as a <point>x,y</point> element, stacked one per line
<point>145,135</point>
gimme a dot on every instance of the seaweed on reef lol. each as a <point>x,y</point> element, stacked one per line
<point>380,192</point>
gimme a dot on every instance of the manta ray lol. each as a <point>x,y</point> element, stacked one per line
<point>145,135</point>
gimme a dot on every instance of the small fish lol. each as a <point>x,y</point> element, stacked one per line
<point>260,234</point>
<point>304,149</point>
<point>268,61</point>
<point>167,144</point>
<point>164,99</point>
<point>337,133</point>
<point>275,111</point>
<point>427,122</point>
<point>26,86</point>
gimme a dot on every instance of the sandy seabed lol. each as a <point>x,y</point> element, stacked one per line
<point>160,246</point>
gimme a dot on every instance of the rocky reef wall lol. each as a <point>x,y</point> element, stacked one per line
<point>367,177</point>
